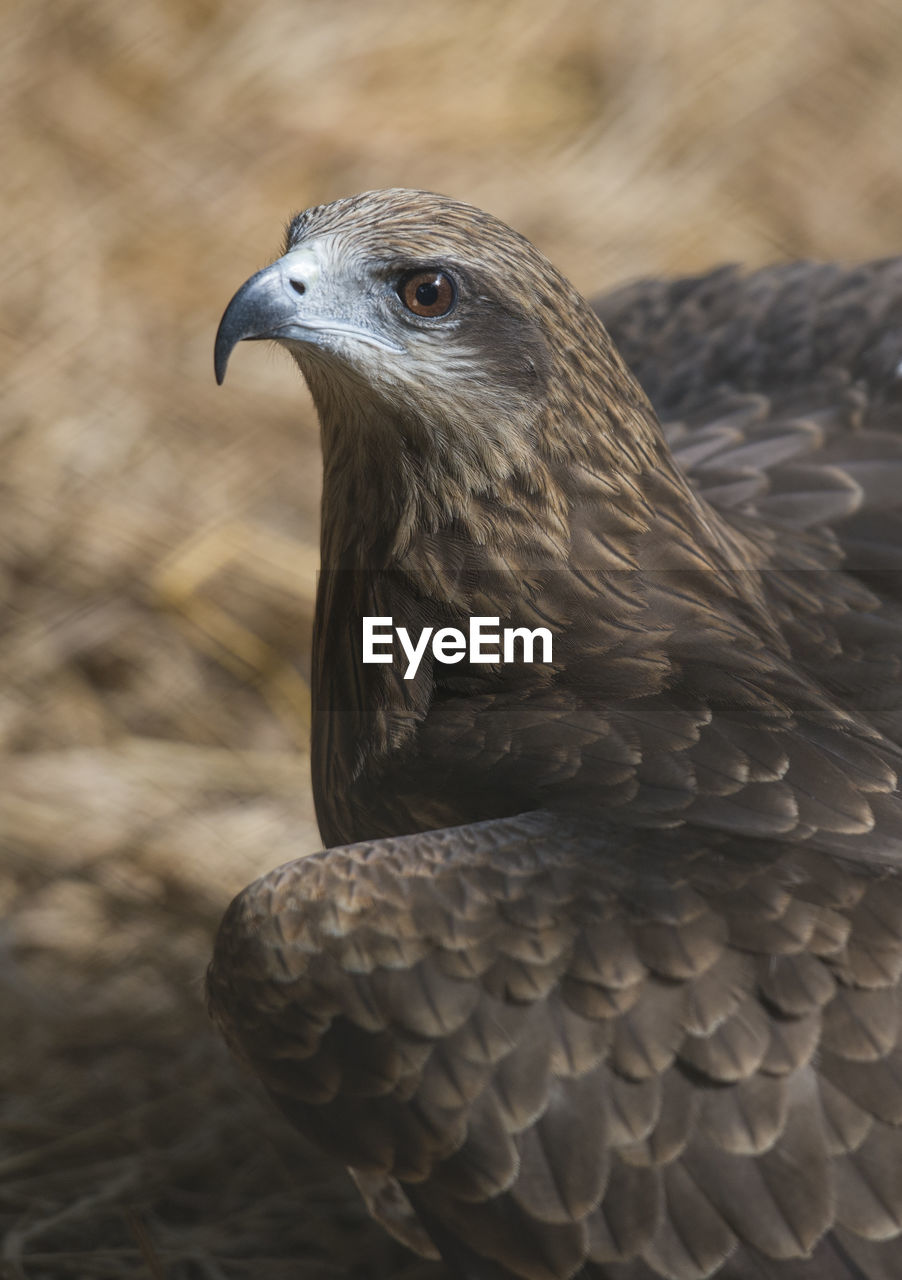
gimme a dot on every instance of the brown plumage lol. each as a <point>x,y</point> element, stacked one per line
<point>606,978</point>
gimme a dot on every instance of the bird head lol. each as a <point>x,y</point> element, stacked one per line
<point>412,300</point>
<point>391,285</point>
<point>448,360</point>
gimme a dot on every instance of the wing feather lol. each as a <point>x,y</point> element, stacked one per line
<point>688,1064</point>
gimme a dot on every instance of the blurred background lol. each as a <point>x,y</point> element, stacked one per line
<point>158,535</point>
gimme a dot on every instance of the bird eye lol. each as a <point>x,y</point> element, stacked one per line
<point>427,293</point>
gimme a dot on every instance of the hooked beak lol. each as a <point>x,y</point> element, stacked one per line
<point>265,306</point>
<point>283,302</point>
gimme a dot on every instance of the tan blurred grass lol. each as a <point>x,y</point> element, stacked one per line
<point>158,536</point>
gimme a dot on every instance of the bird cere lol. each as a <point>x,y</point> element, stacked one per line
<point>600,972</point>
<point>450,645</point>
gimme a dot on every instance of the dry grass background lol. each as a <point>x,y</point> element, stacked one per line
<point>158,536</point>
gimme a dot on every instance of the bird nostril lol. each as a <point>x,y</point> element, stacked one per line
<point>298,286</point>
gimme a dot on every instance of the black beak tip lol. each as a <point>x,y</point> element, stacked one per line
<point>225,344</point>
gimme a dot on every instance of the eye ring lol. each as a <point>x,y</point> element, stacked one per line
<point>430,293</point>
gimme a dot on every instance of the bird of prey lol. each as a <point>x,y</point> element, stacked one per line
<point>601,974</point>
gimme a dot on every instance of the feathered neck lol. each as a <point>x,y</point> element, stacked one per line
<point>577,476</point>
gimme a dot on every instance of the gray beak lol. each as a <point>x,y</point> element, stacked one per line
<point>264,307</point>
<point>289,301</point>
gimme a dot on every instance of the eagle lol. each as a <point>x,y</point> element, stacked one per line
<point>600,974</point>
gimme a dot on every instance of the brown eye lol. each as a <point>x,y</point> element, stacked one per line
<point>427,293</point>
